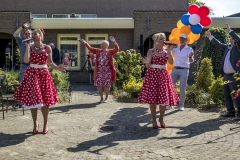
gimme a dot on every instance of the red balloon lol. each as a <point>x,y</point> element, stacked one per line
<point>193,9</point>
<point>203,11</point>
<point>205,21</point>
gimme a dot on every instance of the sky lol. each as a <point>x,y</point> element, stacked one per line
<point>223,7</point>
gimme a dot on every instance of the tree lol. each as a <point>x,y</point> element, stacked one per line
<point>211,51</point>
<point>199,3</point>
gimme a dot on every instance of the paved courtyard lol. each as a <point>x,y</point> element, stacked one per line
<point>86,129</point>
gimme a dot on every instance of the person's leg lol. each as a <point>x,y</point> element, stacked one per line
<point>183,83</point>
<point>106,90</point>
<point>45,111</point>
<point>22,70</point>
<point>153,114</point>
<point>100,91</point>
<point>162,113</point>
<point>227,88</point>
<point>34,118</point>
<point>174,77</point>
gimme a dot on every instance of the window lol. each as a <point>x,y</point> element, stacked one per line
<point>39,16</point>
<point>88,16</point>
<point>60,16</point>
<point>69,48</point>
<point>95,40</point>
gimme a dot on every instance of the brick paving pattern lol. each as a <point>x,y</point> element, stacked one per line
<point>86,129</point>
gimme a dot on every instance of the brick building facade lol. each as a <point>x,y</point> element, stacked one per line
<point>147,17</point>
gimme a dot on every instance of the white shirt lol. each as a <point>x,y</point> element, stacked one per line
<point>227,66</point>
<point>182,57</point>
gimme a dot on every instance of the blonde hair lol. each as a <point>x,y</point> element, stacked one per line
<point>40,32</point>
<point>105,42</point>
<point>157,36</point>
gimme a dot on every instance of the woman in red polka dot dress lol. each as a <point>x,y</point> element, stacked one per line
<point>158,88</point>
<point>37,89</point>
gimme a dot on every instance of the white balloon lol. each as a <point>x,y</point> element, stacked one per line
<point>194,19</point>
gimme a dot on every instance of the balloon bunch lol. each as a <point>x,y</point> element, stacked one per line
<point>191,24</point>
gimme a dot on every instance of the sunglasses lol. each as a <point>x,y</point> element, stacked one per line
<point>162,39</point>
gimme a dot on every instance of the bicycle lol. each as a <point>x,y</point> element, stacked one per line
<point>89,68</point>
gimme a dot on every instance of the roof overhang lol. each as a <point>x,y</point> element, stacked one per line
<point>234,22</point>
<point>83,23</point>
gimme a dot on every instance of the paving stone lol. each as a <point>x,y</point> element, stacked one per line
<point>87,129</point>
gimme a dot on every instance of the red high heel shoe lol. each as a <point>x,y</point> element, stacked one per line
<point>155,126</point>
<point>36,131</point>
<point>45,131</point>
<point>163,125</point>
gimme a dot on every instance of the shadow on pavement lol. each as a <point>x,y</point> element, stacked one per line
<point>124,125</point>
<point>199,128</point>
<point>13,139</point>
<point>68,107</point>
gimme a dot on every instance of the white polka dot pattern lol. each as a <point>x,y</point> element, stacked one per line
<point>158,87</point>
<point>37,88</point>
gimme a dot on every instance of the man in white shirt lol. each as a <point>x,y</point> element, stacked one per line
<point>229,67</point>
<point>183,57</point>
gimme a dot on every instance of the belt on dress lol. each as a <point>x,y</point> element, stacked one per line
<point>177,67</point>
<point>158,66</point>
<point>38,66</point>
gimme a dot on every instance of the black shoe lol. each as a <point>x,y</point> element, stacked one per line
<point>237,118</point>
<point>17,106</point>
<point>228,114</point>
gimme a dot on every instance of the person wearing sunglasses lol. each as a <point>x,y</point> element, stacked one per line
<point>158,88</point>
<point>27,33</point>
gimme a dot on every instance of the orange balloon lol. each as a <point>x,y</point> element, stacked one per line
<point>179,24</point>
<point>193,36</point>
<point>185,30</point>
<point>175,40</point>
<point>170,66</point>
<point>176,33</point>
<point>190,41</point>
<point>170,37</point>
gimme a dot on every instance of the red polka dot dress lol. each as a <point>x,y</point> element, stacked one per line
<point>104,74</point>
<point>37,88</point>
<point>158,88</point>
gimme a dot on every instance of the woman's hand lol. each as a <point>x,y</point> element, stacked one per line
<point>145,60</point>
<point>82,40</point>
<point>112,39</point>
<point>62,68</point>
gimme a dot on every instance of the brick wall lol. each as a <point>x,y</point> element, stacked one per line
<point>103,8</point>
<point>9,21</point>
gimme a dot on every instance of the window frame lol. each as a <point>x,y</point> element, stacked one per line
<point>38,14</point>
<point>60,42</point>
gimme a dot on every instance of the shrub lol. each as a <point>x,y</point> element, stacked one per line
<point>127,64</point>
<point>211,51</point>
<point>196,96</point>
<point>204,75</point>
<point>60,79</point>
<point>132,87</point>
<point>216,91</point>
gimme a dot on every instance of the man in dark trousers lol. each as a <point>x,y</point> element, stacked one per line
<point>55,54</point>
<point>229,67</point>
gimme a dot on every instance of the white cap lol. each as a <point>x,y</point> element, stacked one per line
<point>51,44</point>
<point>183,36</point>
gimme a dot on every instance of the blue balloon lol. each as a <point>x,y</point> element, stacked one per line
<point>196,29</point>
<point>184,19</point>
